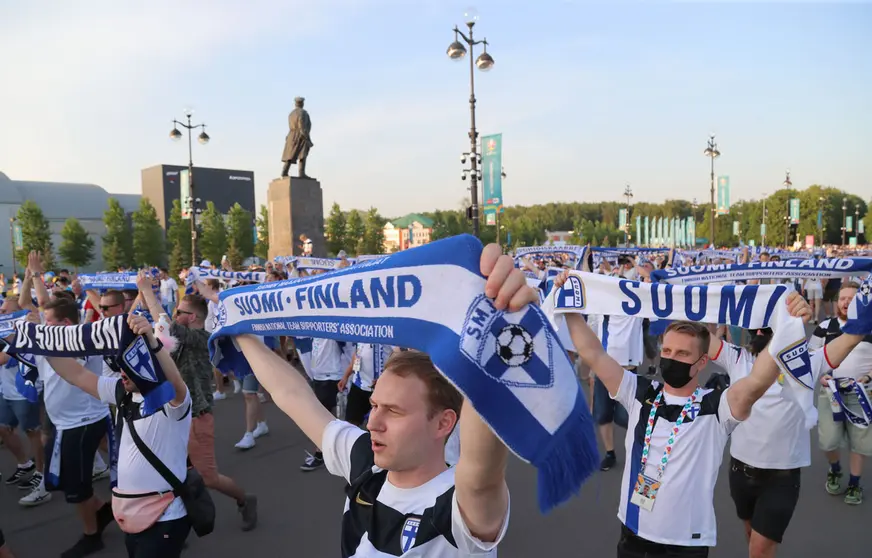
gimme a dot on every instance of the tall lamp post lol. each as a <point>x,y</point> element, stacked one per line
<point>763,224</point>
<point>711,151</point>
<point>821,220</point>
<point>740,227</point>
<point>844,218</point>
<point>857,223</point>
<point>192,202</point>
<point>628,193</point>
<point>787,185</point>
<point>456,51</point>
<point>693,206</point>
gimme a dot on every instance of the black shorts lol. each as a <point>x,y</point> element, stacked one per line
<point>764,497</point>
<point>326,391</point>
<point>78,446</point>
<point>358,405</point>
<point>633,546</point>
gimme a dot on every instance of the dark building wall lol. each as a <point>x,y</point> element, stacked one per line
<point>223,187</point>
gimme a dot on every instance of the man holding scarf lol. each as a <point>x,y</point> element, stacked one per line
<point>401,494</point>
<point>681,411</point>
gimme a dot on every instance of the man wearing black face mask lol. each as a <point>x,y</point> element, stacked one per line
<point>769,449</point>
<point>676,437</point>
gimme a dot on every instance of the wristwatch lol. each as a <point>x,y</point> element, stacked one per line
<point>159,345</point>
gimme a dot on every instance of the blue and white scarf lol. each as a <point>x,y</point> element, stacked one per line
<point>8,321</point>
<point>125,280</point>
<point>110,337</point>
<point>841,411</point>
<point>792,269</point>
<point>203,273</point>
<point>510,366</point>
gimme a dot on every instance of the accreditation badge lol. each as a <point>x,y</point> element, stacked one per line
<point>645,492</point>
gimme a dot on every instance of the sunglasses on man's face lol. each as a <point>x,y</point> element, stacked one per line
<point>184,313</point>
<point>104,307</point>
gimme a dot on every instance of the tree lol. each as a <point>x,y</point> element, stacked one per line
<point>355,230</point>
<point>35,234</point>
<point>261,249</point>
<point>374,233</point>
<point>118,240</point>
<point>178,240</point>
<point>336,230</point>
<point>240,236</point>
<point>77,246</point>
<point>213,240</point>
<point>148,238</point>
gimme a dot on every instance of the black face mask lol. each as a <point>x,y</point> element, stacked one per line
<point>675,373</point>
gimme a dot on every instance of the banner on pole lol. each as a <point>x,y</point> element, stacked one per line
<point>723,195</point>
<point>849,224</point>
<point>18,237</point>
<point>735,228</point>
<point>622,219</point>
<point>794,211</point>
<point>185,193</point>
<point>492,176</point>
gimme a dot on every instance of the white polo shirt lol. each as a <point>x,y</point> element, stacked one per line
<point>774,436</point>
<point>66,405</point>
<point>326,360</point>
<point>684,512</point>
<point>166,434</point>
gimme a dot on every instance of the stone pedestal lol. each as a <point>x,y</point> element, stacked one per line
<point>296,207</point>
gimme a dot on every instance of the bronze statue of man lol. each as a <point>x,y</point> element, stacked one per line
<point>298,141</point>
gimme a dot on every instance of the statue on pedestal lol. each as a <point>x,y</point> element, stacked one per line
<point>298,141</point>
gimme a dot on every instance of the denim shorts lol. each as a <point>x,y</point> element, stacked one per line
<point>19,412</point>
<point>250,384</point>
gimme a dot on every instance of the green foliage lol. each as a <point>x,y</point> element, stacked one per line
<point>335,230</point>
<point>240,236</point>
<point>77,246</point>
<point>148,237</point>
<point>178,240</point>
<point>118,240</point>
<point>374,234</point>
<point>261,249</point>
<point>213,240</point>
<point>35,234</point>
<point>355,231</point>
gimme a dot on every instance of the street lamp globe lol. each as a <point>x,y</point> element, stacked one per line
<point>175,135</point>
<point>203,138</point>
<point>470,16</point>
<point>484,62</point>
<point>456,50</point>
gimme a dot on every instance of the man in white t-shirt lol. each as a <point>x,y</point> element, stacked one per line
<point>402,498</point>
<point>169,291</point>
<point>326,372</point>
<point>681,482</point>
<point>363,372</point>
<point>832,434</point>
<point>769,449</point>
<point>164,432</point>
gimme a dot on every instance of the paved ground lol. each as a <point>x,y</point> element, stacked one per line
<point>299,512</point>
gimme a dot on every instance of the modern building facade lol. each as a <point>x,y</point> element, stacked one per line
<point>407,232</point>
<point>161,184</point>
<point>58,201</point>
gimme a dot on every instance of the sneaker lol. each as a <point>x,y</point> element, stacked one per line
<point>100,475</point>
<point>608,462</point>
<point>261,397</point>
<point>34,481</point>
<point>260,430</point>
<point>21,475</point>
<point>237,387</point>
<point>218,396</point>
<point>834,482</point>
<point>249,512</point>
<point>39,495</point>
<point>104,517</point>
<point>87,545</point>
<point>311,463</point>
<point>854,496</point>
<point>247,442</point>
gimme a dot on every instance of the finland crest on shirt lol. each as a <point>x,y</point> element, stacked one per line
<point>410,531</point>
<point>138,359</point>
<point>509,348</point>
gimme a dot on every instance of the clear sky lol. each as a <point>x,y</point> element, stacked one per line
<point>589,95</point>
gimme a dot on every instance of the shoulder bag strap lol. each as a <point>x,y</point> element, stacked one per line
<point>149,456</point>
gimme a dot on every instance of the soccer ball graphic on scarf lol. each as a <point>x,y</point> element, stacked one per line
<point>514,345</point>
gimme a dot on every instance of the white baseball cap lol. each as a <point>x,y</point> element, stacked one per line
<point>205,263</point>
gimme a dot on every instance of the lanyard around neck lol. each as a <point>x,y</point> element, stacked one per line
<point>649,429</point>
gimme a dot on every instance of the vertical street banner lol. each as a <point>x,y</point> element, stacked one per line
<point>638,230</point>
<point>861,226</point>
<point>691,227</point>
<point>723,195</point>
<point>492,176</point>
<point>820,219</point>
<point>849,224</point>
<point>17,237</point>
<point>794,211</point>
<point>735,228</point>
<point>185,193</point>
<point>647,241</point>
<point>762,231</point>
<point>622,219</point>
